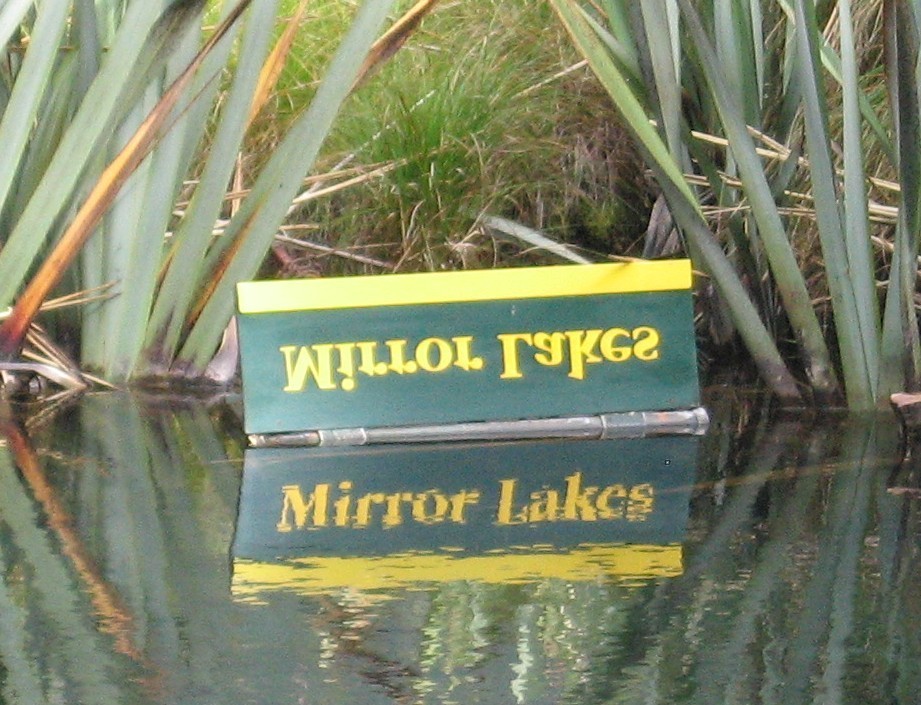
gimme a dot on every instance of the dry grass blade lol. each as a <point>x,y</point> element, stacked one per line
<point>312,181</point>
<point>877,212</point>
<point>45,350</point>
<point>77,298</point>
<point>14,328</point>
<point>271,70</point>
<point>778,152</point>
<point>555,77</point>
<point>43,370</point>
<point>393,39</point>
<point>533,237</point>
<point>362,177</point>
<point>334,251</point>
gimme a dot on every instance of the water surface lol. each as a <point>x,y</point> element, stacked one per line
<point>146,557</point>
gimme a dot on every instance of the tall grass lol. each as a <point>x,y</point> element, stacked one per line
<point>112,115</point>
<point>488,112</point>
<point>752,118</point>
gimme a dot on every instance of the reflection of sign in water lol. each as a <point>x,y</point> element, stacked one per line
<point>467,346</point>
<point>314,519</point>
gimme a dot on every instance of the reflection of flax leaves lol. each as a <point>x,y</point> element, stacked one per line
<point>20,676</point>
<point>116,620</point>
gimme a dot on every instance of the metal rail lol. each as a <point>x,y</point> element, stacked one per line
<point>633,424</point>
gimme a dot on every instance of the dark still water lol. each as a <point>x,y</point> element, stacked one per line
<point>145,557</point>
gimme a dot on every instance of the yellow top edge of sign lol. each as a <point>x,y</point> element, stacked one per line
<point>463,286</point>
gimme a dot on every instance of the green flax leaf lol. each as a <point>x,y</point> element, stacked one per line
<point>255,224</point>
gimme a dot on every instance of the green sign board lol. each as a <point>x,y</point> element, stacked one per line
<point>409,349</point>
<point>316,518</point>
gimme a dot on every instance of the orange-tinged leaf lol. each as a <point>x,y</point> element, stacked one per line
<point>271,70</point>
<point>13,330</point>
<point>394,38</point>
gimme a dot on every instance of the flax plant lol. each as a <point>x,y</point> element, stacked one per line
<point>755,122</point>
<point>111,114</point>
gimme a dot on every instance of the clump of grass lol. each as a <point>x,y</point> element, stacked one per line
<point>488,110</point>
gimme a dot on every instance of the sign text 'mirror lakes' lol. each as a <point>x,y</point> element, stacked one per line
<point>339,366</point>
<point>338,505</point>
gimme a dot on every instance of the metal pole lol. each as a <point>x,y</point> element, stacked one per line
<point>633,424</point>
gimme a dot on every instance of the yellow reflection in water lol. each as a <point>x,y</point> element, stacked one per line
<point>316,575</point>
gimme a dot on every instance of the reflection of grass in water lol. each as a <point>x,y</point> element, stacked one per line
<point>783,599</point>
<point>562,632</point>
<point>22,678</point>
<point>455,628</point>
<point>775,554</point>
<point>54,605</point>
<point>162,522</point>
<point>140,513</point>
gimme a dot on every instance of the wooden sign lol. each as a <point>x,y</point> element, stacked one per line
<point>408,349</point>
<point>314,519</point>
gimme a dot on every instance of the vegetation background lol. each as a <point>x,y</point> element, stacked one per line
<point>776,143</point>
<point>418,154</point>
<point>488,110</point>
